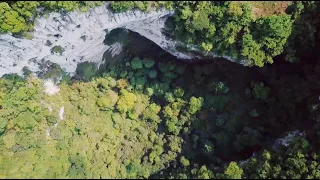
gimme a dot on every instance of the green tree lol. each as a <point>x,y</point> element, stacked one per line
<point>126,101</point>
<point>122,6</point>
<point>202,173</point>
<point>26,8</point>
<point>148,63</point>
<point>233,171</point>
<point>185,162</point>
<point>206,46</point>
<point>178,92</point>
<point>169,97</point>
<point>109,100</point>
<point>252,51</point>
<point>136,63</point>
<point>151,113</point>
<point>260,91</point>
<point>152,74</point>
<point>273,33</point>
<point>10,21</point>
<point>195,104</point>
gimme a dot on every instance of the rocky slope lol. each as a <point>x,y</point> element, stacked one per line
<point>72,38</point>
<point>69,39</point>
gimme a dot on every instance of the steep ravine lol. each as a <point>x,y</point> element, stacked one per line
<point>82,36</point>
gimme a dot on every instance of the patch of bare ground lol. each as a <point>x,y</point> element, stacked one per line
<point>267,8</point>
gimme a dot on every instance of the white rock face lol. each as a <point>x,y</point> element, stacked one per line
<point>50,88</point>
<point>153,32</point>
<point>61,111</point>
<point>285,141</point>
<point>47,133</point>
<point>68,32</point>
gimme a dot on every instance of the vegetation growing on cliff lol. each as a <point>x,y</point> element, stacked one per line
<point>232,29</point>
<point>19,16</point>
<point>156,118</point>
<point>253,31</point>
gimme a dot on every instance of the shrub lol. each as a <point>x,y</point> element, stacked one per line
<point>233,171</point>
<point>148,63</point>
<point>126,101</point>
<point>122,6</point>
<point>260,91</point>
<point>86,70</point>
<point>195,104</point>
<point>152,74</point>
<point>57,49</point>
<point>149,91</point>
<point>185,162</point>
<point>178,92</point>
<point>136,63</point>
<point>169,97</point>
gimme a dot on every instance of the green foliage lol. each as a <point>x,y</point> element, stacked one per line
<point>151,113</point>
<point>273,33</point>
<point>165,67</point>
<point>109,100</point>
<point>230,25</point>
<point>122,6</point>
<point>235,9</point>
<point>152,74</point>
<point>18,17</point>
<point>10,21</point>
<point>185,162</point>
<point>306,17</point>
<point>169,97</point>
<point>9,140</point>
<point>218,87</point>
<point>57,49</point>
<point>140,82</point>
<point>178,92</point>
<point>252,50</point>
<point>202,173</point>
<point>136,63</point>
<point>292,161</point>
<point>143,5</point>
<point>208,148</point>
<point>149,91</point>
<point>25,121</point>
<point>86,70</point>
<point>206,47</point>
<point>168,112</point>
<point>148,63</point>
<point>137,120</point>
<point>126,101</point>
<point>233,171</point>
<point>260,91</point>
<point>218,102</point>
<point>25,8</point>
<point>67,5</point>
<point>166,4</point>
<point>195,104</point>
<point>113,129</point>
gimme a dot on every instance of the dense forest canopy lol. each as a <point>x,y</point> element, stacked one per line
<point>159,118</point>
